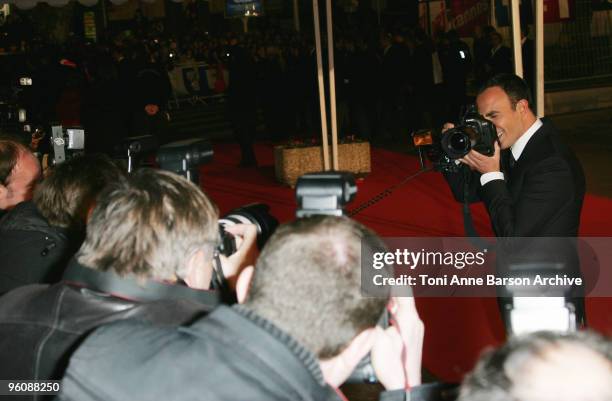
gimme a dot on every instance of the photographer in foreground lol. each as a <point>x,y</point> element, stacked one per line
<point>302,329</point>
<point>147,234</point>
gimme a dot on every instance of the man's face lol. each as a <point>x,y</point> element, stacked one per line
<point>495,105</point>
<point>21,182</point>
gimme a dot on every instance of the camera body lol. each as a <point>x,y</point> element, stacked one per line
<point>66,142</point>
<point>257,214</point>
<point>185,157</point>
<point>325,193</point>
<point>17,113</point>
<point>473,132</point>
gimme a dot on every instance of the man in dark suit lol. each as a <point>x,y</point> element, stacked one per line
<point>500,60</point>
<point>528,52</point>
<point>533,185</point>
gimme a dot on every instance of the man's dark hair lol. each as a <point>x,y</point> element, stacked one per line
<point>501,374</point>
<point>9,154</point>
<point>515,87</point>
<point>66,195</point>
<point>308,282</point>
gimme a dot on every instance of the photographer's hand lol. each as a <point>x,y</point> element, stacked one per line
<point>397,353</point>
<point>481,163</point>
<point>246,252</point>
<point>447,126</point>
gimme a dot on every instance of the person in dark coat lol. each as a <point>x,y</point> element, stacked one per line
<point>528,54</point>
<point>242,100</point>
<point>456,64</point>
<point>500,59</point>
<point>300,332</point>
<point>148,235</point>
<point>533,185</point>
<point>20,171</point>
<point>41,235</point>
<point>152,91</point>
<point>396,70</point>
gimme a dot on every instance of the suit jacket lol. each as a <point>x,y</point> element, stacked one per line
<point>541,195</point>
<point>501,61</point>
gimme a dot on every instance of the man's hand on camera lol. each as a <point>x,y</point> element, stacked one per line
<point>481,163</point>
<point>447,126</point>
<point>397,353</point>
<point>246,253</point>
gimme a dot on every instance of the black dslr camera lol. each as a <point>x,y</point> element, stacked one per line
<point>472,132</point>
<point>325,193</point>
<point>185,157</point>
<point>257,214</point>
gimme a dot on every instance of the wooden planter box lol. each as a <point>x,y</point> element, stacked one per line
<point>292,162</point>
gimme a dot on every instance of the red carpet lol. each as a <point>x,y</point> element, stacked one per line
<point>456,330</point>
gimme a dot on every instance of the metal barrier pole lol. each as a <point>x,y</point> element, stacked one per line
<point>317,29</point>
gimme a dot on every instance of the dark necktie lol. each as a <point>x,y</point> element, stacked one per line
<point>511,161</point>
<point>508,163</point>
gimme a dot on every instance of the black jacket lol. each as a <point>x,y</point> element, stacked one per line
<point>31,250</point>
<point>541,195</point>
<point>232,354</point>
<point>41,325</point>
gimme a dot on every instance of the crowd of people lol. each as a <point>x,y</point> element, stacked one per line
<point>106,280</point>
<point>388,83</point>
<point>107,285</point>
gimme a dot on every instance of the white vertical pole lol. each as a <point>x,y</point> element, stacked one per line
<point>317,29</point>
<point>332,86</point>
<point>516,38</point>
<point>296,16</point>
<point>539,57</point>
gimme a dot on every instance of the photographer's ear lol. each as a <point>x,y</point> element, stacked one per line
<point>522,106</point>
<point>199,271</point>
<point>244,283</point>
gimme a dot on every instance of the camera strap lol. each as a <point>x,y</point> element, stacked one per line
<point>219,283</point>
<point>468,222</point>
<point>374,200</point>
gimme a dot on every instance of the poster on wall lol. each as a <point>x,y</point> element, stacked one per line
<point>243,8</point>
<point>465,15</point>
<point>462,15</point>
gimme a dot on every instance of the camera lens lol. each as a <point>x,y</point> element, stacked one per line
<point>459,142</point>
<point>257,214</point>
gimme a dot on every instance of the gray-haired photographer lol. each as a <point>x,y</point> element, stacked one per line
<point>148,235</point>
<point>302,328</point>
